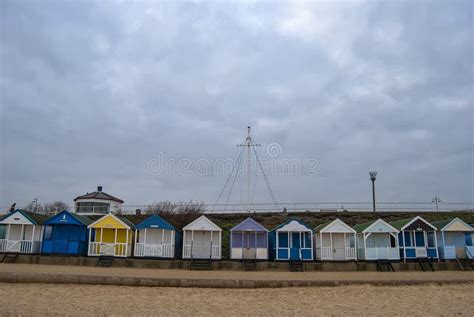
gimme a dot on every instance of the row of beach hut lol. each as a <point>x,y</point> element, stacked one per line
<point>112,235</point>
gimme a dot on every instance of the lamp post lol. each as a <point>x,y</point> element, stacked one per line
<point>373,176</point>
<point>436,200</point>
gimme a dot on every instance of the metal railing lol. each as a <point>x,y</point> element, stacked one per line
<point>337,206</point>
<point>319,207</point>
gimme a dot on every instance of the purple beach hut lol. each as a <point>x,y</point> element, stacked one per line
<point>249,241</point>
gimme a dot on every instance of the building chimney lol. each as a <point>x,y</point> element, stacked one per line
<point>99,188</point>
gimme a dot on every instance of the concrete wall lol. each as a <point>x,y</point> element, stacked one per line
<point>227,265</point>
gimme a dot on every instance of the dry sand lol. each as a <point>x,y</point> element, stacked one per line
<point>50,299</point>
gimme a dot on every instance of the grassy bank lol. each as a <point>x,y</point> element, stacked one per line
<point>271,220</point>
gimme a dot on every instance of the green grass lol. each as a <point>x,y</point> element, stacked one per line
<point>271,220</point>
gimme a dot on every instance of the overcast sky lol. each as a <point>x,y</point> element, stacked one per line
<point>91,93</point>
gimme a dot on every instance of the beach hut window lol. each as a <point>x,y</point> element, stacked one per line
<point>48,232</point>
<point>237,240</point>
<point>90,207</point>
<point>393,242</point>
<point>430,236</point>
<point>408,242</point>
<point>307,239</point>
<point>261,240</point>
<point>468,239</point>
<point>283,239</point>
<point>351,241</point>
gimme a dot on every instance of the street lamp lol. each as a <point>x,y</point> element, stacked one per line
<point>373,176</point>
<point>436,200</point>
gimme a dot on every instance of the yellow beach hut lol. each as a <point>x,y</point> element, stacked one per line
<point>110,235</point>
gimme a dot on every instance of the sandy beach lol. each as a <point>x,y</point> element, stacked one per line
<point>50,299</point>
<point>438,293</point>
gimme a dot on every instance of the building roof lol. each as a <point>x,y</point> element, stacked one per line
<point>119,220</point>
<point>441,225</point>
<point>99,194</point>
<point>34,218</point>
<point>155,221</point>
<point>249,224</point>
<point>301,224</point>
<point>399,224</point>
<point>337,224</point>
<point>360,227</point>
<point>80,219</point>
<point>364,227</point>
<point>202,223</point>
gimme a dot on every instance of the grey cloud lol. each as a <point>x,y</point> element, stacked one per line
<point>91,92</point>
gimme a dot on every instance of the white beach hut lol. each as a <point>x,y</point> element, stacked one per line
<point>377,240</point>
<point>24,232</point>
<point>335,241</point>
<point>202,240</point>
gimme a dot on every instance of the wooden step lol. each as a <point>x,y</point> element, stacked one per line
<point>9,258</point>
<point>105,261</point>
<point>465,264</point>
<point>296,266</point>
<point>249,265</point>
<point>385,266</point>
<point>200,264</point>
<point>425,264</point>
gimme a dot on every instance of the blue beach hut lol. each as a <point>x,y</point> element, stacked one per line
<point>417,239</point>
<point>66,233</point>
<point>291,241</point>
<point>454,239</point>
<point>155,237</point>
<point>249,240</point>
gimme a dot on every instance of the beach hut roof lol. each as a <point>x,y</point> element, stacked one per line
<point>405,223</point>
<point>293,225</point>
<point>453,224</point>
<point>66,217</point>
<point>155,221</point>
<point>202,223</point>
<point>33,218</point>
<point>337,225</point>
<point>370,225</point>
<point>249,224</point>
<point>116,220</point>
<point>99,194</point>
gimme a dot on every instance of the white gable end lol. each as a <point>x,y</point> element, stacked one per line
<point>294,226</point>
<point>202,223</point>
<point>16,219</point>
<point>338,226</point>
<point>380,226</point>
<point>458,225</point>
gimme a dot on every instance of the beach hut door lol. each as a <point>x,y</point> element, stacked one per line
<point>249,247</point>
<point>295,246</point>
<point>202,244</point>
